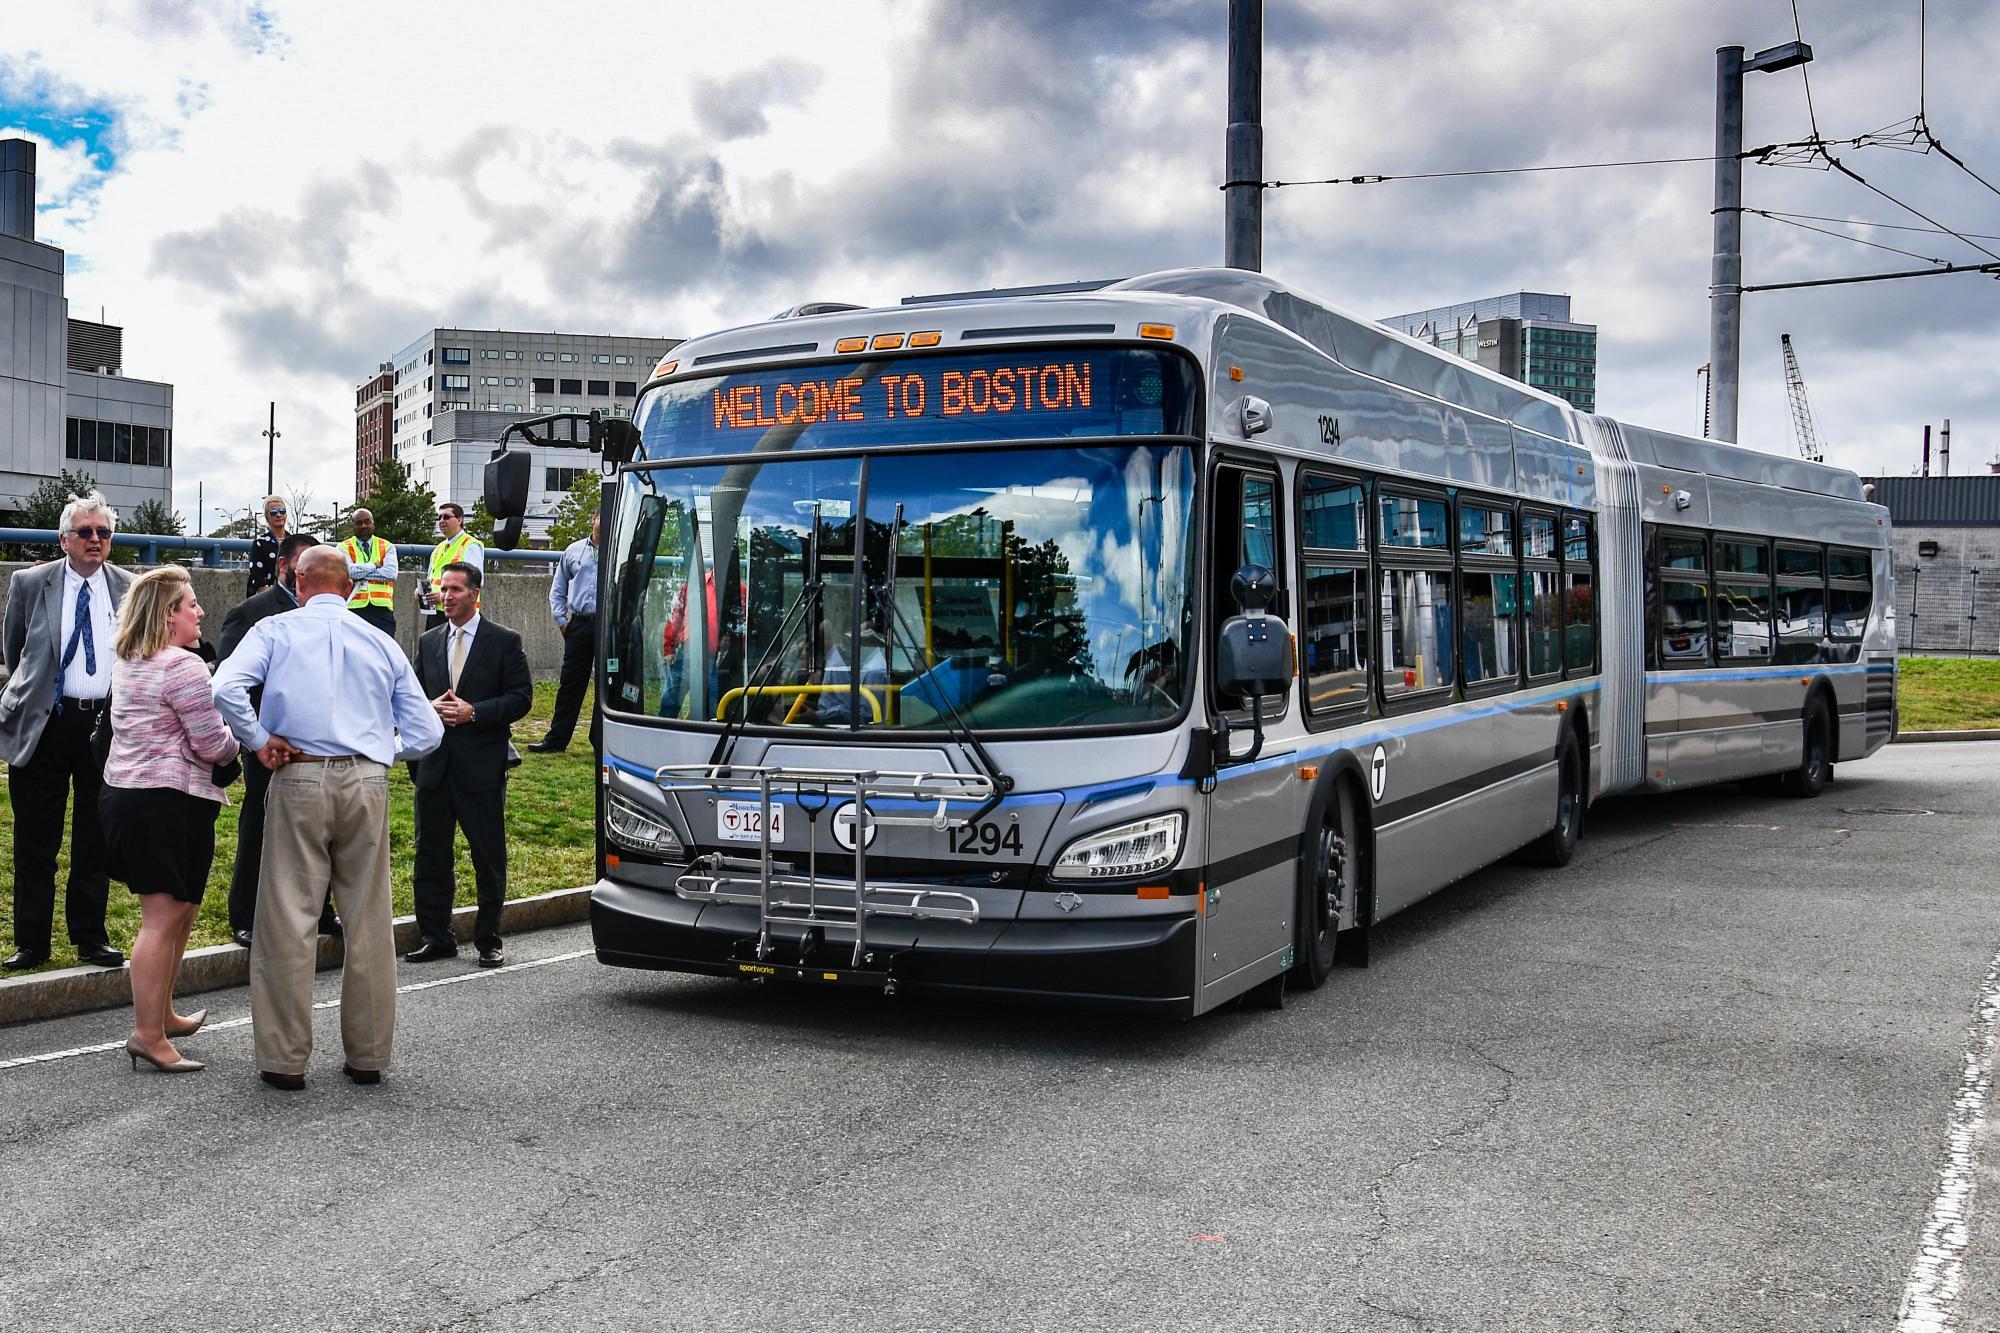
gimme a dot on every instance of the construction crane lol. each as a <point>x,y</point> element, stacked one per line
<point>1810,447</point>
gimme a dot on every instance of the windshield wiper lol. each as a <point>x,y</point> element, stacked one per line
<point>961,732</point>
<point>807,597</point>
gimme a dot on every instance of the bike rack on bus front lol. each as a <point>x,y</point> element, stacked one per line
<point>708,878</point>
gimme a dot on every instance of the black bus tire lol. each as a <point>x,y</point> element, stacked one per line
<point>1558,845</point>
<point>1326,900</point>
<point>1815,768</point>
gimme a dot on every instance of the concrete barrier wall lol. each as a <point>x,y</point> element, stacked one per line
<point>520,601</point>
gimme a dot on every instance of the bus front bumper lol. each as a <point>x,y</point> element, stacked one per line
<point>1126,965</point>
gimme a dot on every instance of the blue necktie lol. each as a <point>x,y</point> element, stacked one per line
<point>82,631</point>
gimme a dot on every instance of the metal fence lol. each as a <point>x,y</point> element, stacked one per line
<point>213,549</point>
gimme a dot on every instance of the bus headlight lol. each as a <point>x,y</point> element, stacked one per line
<point>642,832</point>
<point>1138,848</point>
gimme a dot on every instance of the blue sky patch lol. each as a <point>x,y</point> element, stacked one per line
<point>90,126</point>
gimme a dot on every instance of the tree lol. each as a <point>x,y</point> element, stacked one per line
<point>573,513</point>
<point>404,514</point>
<point>44,510</point>
<point>480,523</point>
<point>244,526</point>
<point>154,518</point>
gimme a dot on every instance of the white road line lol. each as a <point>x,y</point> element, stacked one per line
<point>1937,1275</point>
<point>484,973</point>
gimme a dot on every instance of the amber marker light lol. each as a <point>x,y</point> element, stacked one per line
<point>1156,330</point>
<point>1153,893</point>
<point>1236,374</point>
<point>851,345</point>
<point>931,339</point>
<point>886,342</point>
<point>666,368</point>
<point>611,861</point>
<point>1307,772</point>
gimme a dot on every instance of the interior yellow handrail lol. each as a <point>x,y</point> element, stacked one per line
<point>799,694</point>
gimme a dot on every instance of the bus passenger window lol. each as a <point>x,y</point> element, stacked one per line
<point>1491,607</point>
<point>1538,537</point>
<point>1335,643</point>
<point>1416,631</point>
<point>1411,522</point>
<point>1544,621</point>
<point>1683,623</point>
<point>1579,596</point>
<point>1333,513</point>
<point>1483,531</point>
<point>1849,599</point>
<point>1743,620</point>
<point>1260,523</point>
<point>1800,606</point>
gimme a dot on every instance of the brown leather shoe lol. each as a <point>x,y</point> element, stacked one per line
<point>283,1082</point>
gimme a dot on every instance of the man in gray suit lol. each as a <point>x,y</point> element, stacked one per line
<point>57,646</point>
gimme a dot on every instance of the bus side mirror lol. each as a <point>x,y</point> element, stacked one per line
<point>506,493</point>
<point>1252,655</point>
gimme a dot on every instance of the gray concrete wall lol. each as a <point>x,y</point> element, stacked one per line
<point>520,601</point>
<point>1948,602</point>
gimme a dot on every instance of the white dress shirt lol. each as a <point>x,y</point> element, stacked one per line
<point>77,680</point>
<point>333,685</point>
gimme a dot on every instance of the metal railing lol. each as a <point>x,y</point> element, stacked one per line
<point>212,549</point>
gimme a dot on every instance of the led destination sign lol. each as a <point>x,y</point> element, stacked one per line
<point>1049,386</point>
<point>940,399</point>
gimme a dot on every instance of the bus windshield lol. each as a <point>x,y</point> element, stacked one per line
<point>997,589</point>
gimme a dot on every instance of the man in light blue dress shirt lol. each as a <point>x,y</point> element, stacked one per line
<point>340,704</point>
<point>573,602</point>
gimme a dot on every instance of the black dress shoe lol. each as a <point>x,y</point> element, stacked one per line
<point>490,956</point>
<point>283,1082</point>
<point>26,958</point>
<point>365,1077</point>
<point>330,927</point>
<point>543,747</point>
<point>99,955</point>
<point>242,937</point>
<point>428,952</point>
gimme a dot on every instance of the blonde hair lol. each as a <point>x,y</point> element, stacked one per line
<point>143,616</point>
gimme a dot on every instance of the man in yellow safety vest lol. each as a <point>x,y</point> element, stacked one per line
<point>371,563</point>
<point>458,544</point>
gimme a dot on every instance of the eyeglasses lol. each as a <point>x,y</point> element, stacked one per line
<point>445,515</point>
<point>102,534</point>
<point>273,513</point>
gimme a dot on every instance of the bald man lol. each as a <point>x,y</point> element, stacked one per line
<point>340,704</point>
<point>371,563</point>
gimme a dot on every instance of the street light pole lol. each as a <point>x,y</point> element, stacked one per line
<point>271,453</point>
<point>1725,287</point>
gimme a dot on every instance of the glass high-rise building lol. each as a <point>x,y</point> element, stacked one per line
<point>1526,336</point>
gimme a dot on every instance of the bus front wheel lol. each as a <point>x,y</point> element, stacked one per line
<point>1326,891</point>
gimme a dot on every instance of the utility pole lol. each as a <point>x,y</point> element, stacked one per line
<point>201,509</point>
<point>271,453</point>
<point>1725,287</point>
<point>1243,141</point>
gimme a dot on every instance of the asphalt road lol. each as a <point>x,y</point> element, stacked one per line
<point>1700,1079</point>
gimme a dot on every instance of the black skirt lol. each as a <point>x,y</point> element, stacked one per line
<point>158,839</point>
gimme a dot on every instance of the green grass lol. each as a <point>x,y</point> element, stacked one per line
<point>551,808</point>
<point>1948,693</point>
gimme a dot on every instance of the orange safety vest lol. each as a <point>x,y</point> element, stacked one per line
<point>371,593</point>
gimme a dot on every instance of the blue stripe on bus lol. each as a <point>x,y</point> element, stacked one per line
<point>1760,673</point>
<point>1123,785</point>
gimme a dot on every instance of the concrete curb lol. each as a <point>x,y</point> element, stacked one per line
<point>1970,734</point>
<point>77,990</point>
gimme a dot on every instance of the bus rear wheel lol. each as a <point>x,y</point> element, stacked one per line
<point>1558,845</point>
<point>1326,892</point>
<point>1815,768</point>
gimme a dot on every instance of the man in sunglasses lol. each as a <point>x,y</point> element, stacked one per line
<point>458,544</point>
<point>264,549</point>
<point>57,645</point>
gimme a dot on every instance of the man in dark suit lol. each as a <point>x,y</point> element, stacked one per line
<point>476,673</point>
<point>57,646</point>
<point>280,597</point>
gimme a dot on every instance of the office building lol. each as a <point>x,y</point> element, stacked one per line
<point>1945,534</point>
<point>1526,336</point>
<point>65,400</point>
<point>453,391</point>
<point>374,422</point>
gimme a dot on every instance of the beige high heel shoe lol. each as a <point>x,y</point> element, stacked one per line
<point>182,1066</point>
<point>194,1022</point>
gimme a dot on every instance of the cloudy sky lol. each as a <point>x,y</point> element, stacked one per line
<point>272,198</point>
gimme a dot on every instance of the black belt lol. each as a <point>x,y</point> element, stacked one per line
<point>583,615</point>
<point>86,705</point>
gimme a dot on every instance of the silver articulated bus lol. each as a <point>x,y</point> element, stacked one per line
<point>1143,646</point>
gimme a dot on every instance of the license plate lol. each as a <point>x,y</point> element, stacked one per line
<point>743,821</point>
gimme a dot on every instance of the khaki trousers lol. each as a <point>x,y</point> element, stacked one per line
<point>324,825</point>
